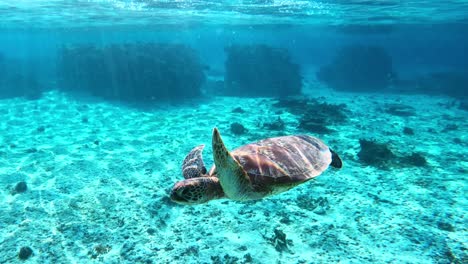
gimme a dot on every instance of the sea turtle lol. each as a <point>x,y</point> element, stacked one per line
<point>252,171</point>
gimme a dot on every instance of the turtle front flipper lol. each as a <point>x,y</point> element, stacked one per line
<point>193,165</point>
<point>233,178</point>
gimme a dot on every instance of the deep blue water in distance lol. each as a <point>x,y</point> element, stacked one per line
<point>101,101</point>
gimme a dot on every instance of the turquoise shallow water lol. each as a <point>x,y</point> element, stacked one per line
<point>102,100</point>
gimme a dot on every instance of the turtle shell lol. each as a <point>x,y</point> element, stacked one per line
<point>282,162</point>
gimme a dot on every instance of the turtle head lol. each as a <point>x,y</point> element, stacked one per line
<point>196,190</point>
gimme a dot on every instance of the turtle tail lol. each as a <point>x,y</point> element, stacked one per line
<point>336,160</point>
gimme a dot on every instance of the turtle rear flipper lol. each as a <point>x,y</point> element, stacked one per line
<point>336,160</point>
<point>193,165</point>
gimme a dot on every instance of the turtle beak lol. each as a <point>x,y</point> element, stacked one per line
<point>177,199</point>
<point>177,195</point>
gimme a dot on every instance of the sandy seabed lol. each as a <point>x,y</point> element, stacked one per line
<point>98,176</point>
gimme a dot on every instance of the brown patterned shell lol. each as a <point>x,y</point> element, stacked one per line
<point>288,160</point>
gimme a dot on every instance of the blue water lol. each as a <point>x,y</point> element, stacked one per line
<point>101,101</point>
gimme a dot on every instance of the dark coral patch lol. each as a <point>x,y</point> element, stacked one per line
<point>375,154</point>
<point>25,253</point>
<point>238,129</point>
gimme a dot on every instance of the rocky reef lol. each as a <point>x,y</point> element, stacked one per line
<point>132,72</point>
<point>358,68</point>
<point>18,79</point>
<point>451,83</point>
<point>260,70</point>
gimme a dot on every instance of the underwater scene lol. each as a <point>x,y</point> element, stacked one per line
<point>243,131</point>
